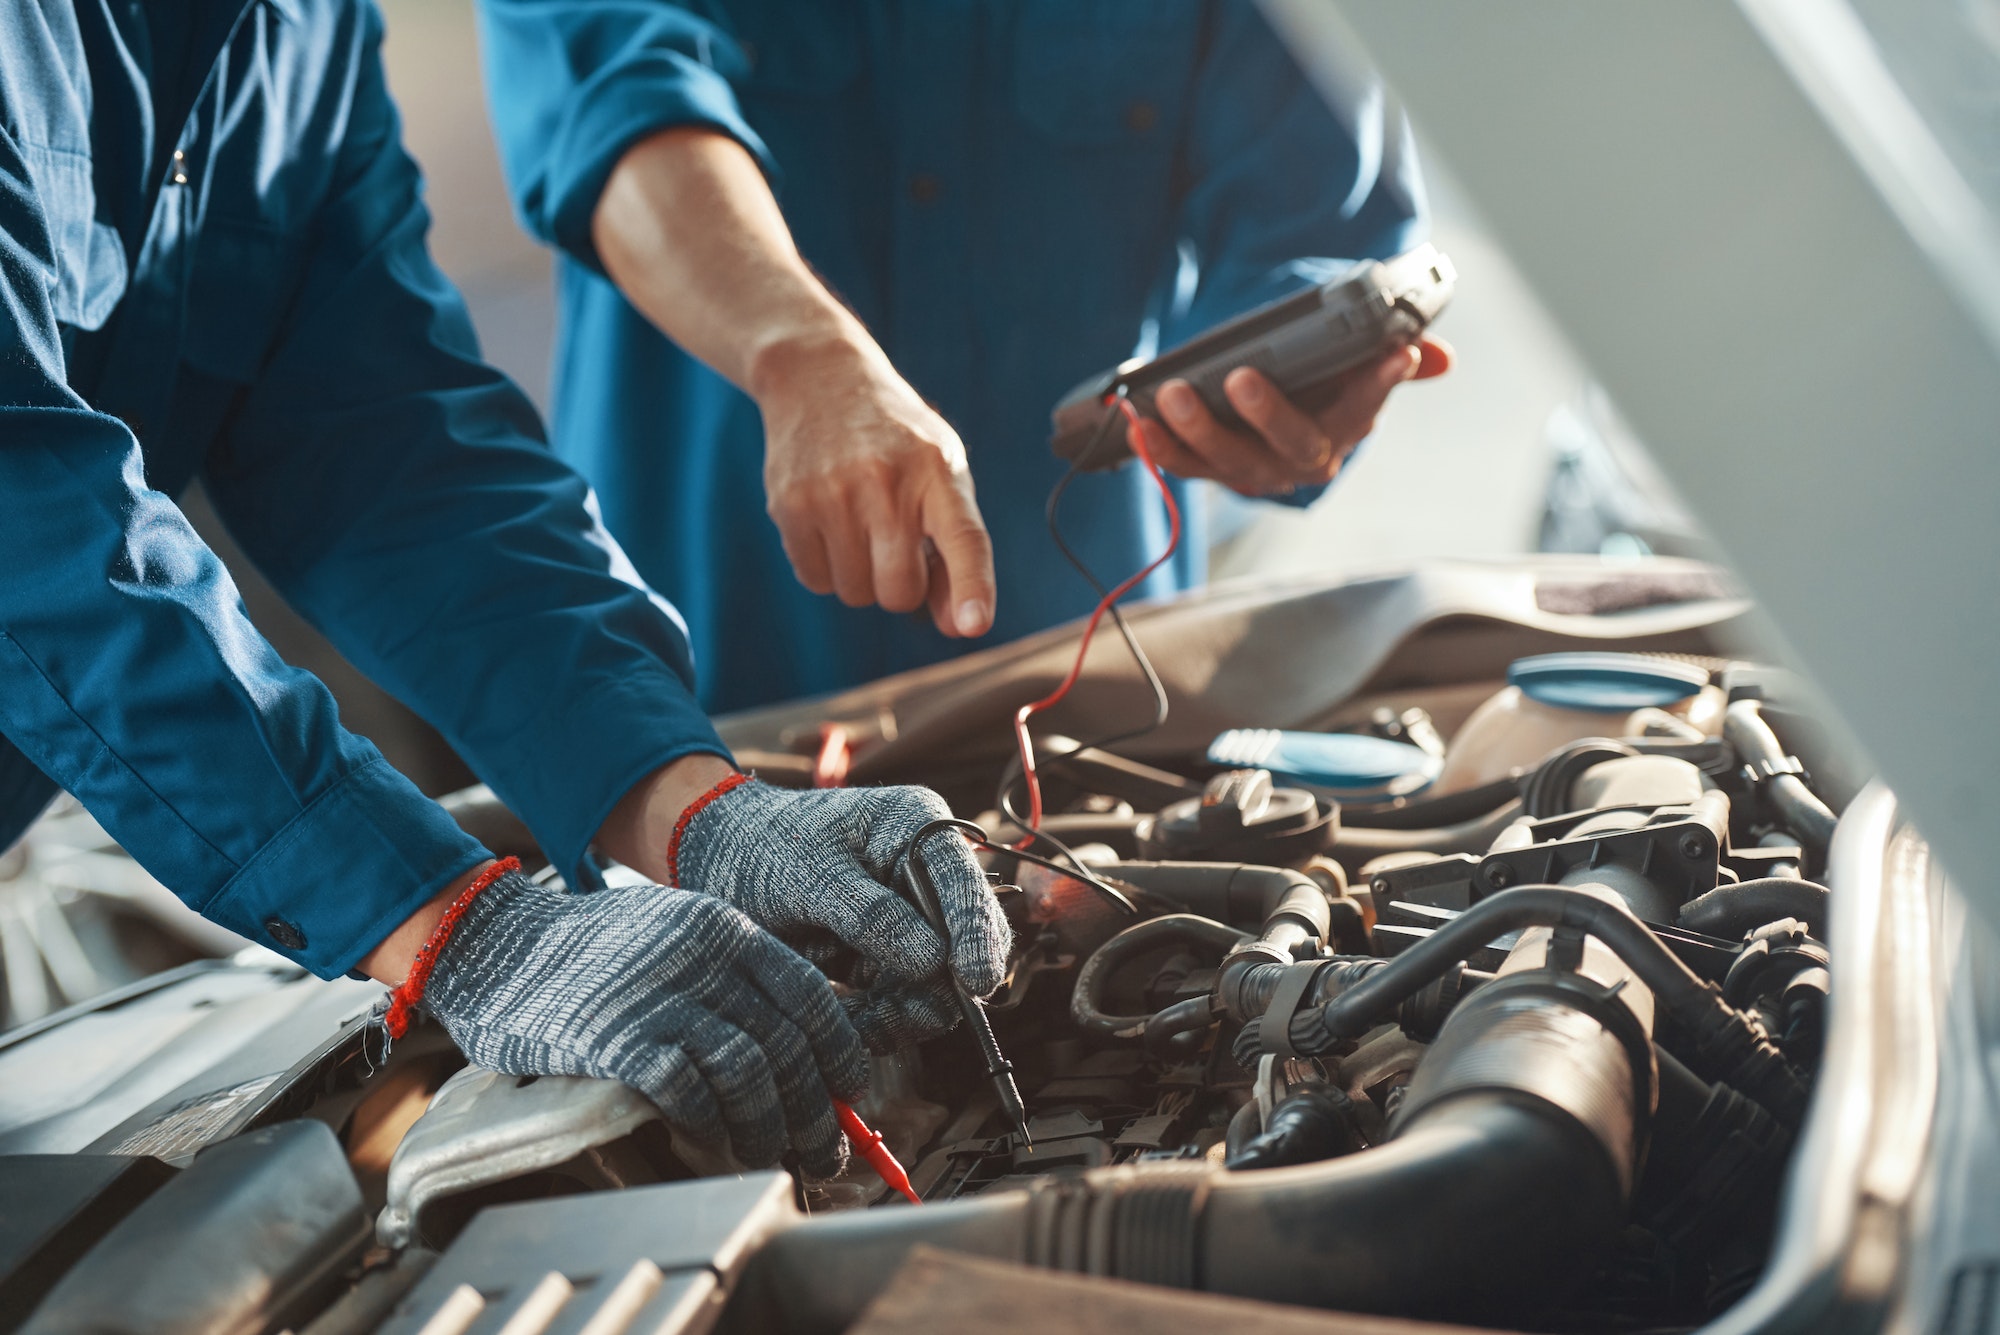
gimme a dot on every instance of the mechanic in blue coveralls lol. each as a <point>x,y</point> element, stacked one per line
<point>212,266</point>
<point>982,204</point>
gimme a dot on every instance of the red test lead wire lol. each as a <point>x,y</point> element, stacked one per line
<point>836,756</point>
<point>868,1144</point>
<point>1136,437</point>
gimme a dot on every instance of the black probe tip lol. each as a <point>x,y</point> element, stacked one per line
<point>1010,1100</point>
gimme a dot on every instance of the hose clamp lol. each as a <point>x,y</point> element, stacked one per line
<point>1763,771</point>
<point>1274,1026</point>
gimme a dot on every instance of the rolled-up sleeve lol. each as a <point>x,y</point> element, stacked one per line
<point>572,84</point>
<point>130,676</point>
<point>397,491</point>
<point>1289,184</point>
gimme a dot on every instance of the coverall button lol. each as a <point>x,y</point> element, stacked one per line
<point>925,188</point>
<point>1141,117</point>
<point>285,934</point>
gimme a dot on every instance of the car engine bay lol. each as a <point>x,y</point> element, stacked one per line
<point>1497,995</point>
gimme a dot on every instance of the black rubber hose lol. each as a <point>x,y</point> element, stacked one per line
<point>1246,994</point>
<point>1795,806</point>
<point>1244,893</point>
<point>1520,1196</point>
<point>1725,1045</point>
<point>1605,917</point>
<point>1355,847</point>
<point>1243,1126</point>
<point>1511,1193</point>
<point>1244,991</point>
<point>1176,1032</point>
<point>1085,1003</point>
<point>1514,1157</point>
<point>1731,910</point>
<point>1290,906</point>
<point>1427,813</point>
<point>1315,1124</point>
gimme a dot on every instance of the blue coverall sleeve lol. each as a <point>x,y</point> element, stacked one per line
<point>396,490</point>
<point>572,84</point>
<point>130,676</point>
<point>1285,188</point>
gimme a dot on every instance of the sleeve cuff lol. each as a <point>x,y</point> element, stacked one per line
<point>571,765</point>
<point>615,110</point>
<point>346,871</point>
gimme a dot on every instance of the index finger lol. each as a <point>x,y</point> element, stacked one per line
<point>980,935</point>
<point>951,521</point>
<point>878,923</point>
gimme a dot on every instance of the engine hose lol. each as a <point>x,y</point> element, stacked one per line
<point>1731,910</point>
<point>1519,1170</point>
<point>1235,892</point>
<point>1243,1127</point>
<point>1085,1004</point>
<point>1176,1032</point>
<point>1316,1123</point>
<point>1354,846</point>
<point>1792,803</point>
<point>1725,1044</point>
<point>1245,992</point>
<point>1421,1016</point>
<point>1425,813</point>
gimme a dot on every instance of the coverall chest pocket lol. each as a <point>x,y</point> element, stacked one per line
<point>797,48</point>
<point>242,284</point>
<point>1112,74</point>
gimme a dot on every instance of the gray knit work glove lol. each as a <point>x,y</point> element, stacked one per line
<point>814,865</point>
<point>734,1036</point>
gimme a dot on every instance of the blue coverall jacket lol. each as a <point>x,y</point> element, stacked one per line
<point>1012,194</point>
<point>212,265</point>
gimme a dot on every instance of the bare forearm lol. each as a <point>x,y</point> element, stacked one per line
<point>688,229</point>
<point>869,487</point>
<point>642,825</point>
<point>390,961</point>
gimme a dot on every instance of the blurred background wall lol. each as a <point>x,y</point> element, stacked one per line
<point>432,57</point>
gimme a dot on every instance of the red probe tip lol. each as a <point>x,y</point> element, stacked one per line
<point>869,1145</point>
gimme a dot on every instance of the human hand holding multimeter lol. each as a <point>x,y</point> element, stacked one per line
<point>1278,396</point>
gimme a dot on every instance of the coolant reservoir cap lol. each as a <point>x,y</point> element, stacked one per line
<point>1355,766</point>
<point>1605,683</point>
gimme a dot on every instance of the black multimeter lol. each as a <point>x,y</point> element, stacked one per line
<point>1303,342</point>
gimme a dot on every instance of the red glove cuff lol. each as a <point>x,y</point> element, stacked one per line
<point>694,809</point>
<point>403,1002</point>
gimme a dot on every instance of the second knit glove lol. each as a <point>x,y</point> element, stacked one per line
<point>805,864</point>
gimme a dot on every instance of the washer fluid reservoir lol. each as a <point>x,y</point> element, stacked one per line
<point>1553,699</point>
